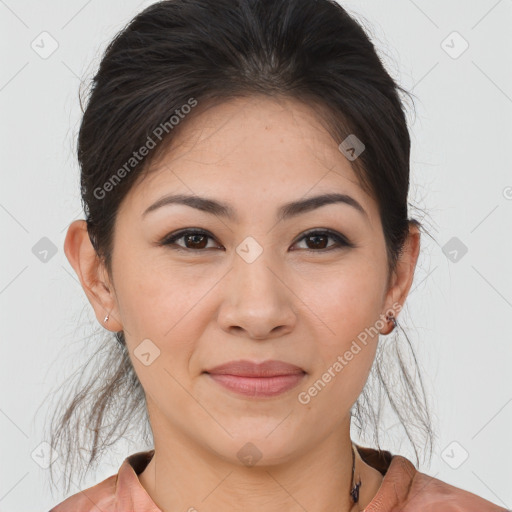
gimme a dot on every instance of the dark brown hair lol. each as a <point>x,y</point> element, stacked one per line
<point>178,52</point>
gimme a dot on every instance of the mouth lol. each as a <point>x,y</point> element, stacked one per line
<point>257,380</point>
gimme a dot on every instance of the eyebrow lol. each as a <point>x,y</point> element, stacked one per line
<point>286,211</point>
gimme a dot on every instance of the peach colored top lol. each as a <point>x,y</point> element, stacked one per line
<point>403,489</point>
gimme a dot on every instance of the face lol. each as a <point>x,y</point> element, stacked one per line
<point>193,289</point>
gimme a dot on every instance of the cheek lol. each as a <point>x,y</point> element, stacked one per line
<point>157,305</point>
<point>349,306</point>
<point>348,301</point>
<point>166,305</point>
<point>155,299</point>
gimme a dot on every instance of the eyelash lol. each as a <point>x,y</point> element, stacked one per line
<point>341,241</point>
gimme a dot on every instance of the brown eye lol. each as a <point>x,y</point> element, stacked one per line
<point>192,240</point>
<point>196,241</point>
<point>317,241</point>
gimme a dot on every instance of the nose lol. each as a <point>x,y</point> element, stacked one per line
<point>256,301</point>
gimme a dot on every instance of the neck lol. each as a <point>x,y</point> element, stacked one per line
<point>182,476</point>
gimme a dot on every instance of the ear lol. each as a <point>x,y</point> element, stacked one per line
<point>402,277</point>
<point>92,274</point>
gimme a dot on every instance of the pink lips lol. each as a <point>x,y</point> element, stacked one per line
<point>269,378</point>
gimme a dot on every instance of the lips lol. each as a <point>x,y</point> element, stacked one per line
<point>245,368</point>
<point>257,380</point>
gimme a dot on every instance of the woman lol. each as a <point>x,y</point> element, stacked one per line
<point>245,173</point>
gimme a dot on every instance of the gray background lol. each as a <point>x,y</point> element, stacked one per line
<point>457,313</point>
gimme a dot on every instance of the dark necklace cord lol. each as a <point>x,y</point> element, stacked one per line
<point>354,488</point>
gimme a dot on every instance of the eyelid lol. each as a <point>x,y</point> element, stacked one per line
<point>172,237</point>
<point>342,240</point>
<point>325,231</point>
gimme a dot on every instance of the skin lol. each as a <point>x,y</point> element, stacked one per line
<point>207,306</point>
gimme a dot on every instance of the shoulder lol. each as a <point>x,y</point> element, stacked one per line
<point>427,493</point>
<point>119,492</point>
<point>406,489</point>
<point>99,498</point>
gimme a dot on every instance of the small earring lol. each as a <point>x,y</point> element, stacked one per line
<point>391,318</point>
<point>105,319</point>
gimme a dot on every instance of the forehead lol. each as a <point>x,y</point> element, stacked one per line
<point>251,151</point>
